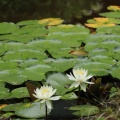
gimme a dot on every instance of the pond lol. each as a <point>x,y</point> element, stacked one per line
<point>54,68</point>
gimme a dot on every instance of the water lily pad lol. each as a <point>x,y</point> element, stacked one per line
<point>113,8</point>
<point>114,30</point>
<point>4,92</point>
<point>6,65</point>
<point>7,27</point>
<point>69,96</point>
<point>60,82</point>
<point>24,55</point>
<point>12,76</point>
<point>115,14</point>
<point>84,110</point>
<point>7,115</point>
<point>31,111</point>
<point>36,72</point>
<point>19,93</point>
<point>14,107</point>
<point>32,30</point>
<point>115,72</point>
<point>63,64</point>
<point>51,21</point>
<point>104,59</point>
<point>9,46</point>
<point>27,22</point>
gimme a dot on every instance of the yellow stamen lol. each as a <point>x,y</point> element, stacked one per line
<point>45,90</point>
<point>80,72</point>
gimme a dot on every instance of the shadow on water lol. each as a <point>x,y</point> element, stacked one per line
<point>72,11</point>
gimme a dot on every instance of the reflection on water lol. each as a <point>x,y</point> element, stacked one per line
<point>69,10</point>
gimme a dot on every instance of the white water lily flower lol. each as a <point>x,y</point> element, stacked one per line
<point>80,77</point>
<point>44,94</point>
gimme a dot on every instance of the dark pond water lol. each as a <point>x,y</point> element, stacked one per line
<point>72,11</point>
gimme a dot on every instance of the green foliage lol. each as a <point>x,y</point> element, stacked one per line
<point>88,110</point>
<point>4,28</point>
<point>60,82</point>
<point>19,93</point>
<point>46,52</point>
<point>27,110</point>
<point>115,14</point>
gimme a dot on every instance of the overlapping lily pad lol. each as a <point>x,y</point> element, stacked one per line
<point>43,51</point>
<point>88,110</point>
<point>60,82</point>
<point>27,110</point>
<point>4,27</point>
<point>4,92</point>
<point>19,93</point>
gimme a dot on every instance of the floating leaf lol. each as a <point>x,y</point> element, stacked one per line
<point>14,107</point>
<point>85,110</point>
<point>19,93</point>
<point>7,27</point>
<point>60,82</point>
<point>4,95</point>
<point>24,54</point>
<point>69,96</point>
<point>4,92</point>
<point>29,62</point>
<point>17,38</point>
<point>7,115</point>
<point>115,14</point>
<point>69,29</point>
<point>114,8</point>
<point>36,72</point>
<point>114,30</point>
<point>6,65</point>
<point>12,76</point>
<point>27,22</point>
<point>51,21</point>
<point>42,45</point>
<point>110,44</point>
<point>79,52</point>
<point>97,25</point>
<point>10,46</point>
<point>31,111</point>
<point>102,20</point>
<point>62,64</point>
<point>32,30</point>
<point>104,59</point>
<point>68,40</point>
<point>115,72</point>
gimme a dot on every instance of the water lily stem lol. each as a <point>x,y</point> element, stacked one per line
<point>46,112</point>
<point>79,95</point>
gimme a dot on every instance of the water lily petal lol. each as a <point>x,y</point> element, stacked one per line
<point>35,96</point>
<point>83,86</point>
<point>88,77</point>
<point>55,98</point>
<point>42,101</point>
<point>53,92</point>
<point>71,77</point>
<point>45,94</point>
<point>48,104</point>
<point>75,84</point>
<point>89,82</point>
